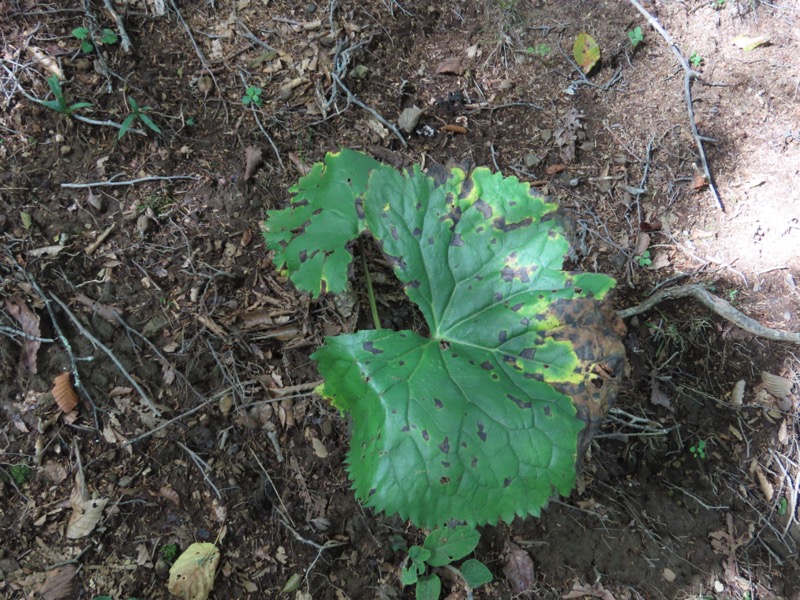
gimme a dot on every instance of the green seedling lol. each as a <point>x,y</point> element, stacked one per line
<point>60,103</point>
<point>108,38</point>
<point>137,113</point>
<point>474,418</point>
<point>695,59</point>
<point>440,549</point>
<point>169,552</point>
<point>699,449</point>
<point>644,259</point>
<point>636,36</point>
<point>539,49</point>
<point>252,96</point>
<point>20,474</point>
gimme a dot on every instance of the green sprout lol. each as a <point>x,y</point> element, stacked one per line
<point>60,103</point>
<point>636,36</point>
<point>644,259</point>
<point>440,548</point>
<point>695,59</point>
<point>252,96</point>
<point>539,49</point>
<point>20,474</point>
<point>109,38</point>
<point>699,449</point>
<point>138,113</point>
<point>169,552</point>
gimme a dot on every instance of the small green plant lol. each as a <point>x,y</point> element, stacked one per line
<point>108,38</point>
<point>60,103</point>
<point>699,449</point>
<point>252,96</point>
<point>20,474</point>
<point>718,4</point>
<point>695,59</point>
<point>169,552</point>
<point>636,36</point>
<point>137,113</point>
<point>477,418</point>
<point>440,549</point>
<point>644,259</point>
<point>539,49</point>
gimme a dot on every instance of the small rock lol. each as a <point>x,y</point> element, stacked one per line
<point>310,7</point>
<point>65,150</point>
<point>162,568</point>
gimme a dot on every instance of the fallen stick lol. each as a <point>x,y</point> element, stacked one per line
<point>718,305</point>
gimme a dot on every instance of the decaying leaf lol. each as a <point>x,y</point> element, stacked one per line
<point>86,513</point>
<point>748,43</point>
<point>583,590</point>
<point>780,387</point>
<point>660,260</point>
<point>518,568</point>
<point>59,584</point>
<point>252,159</point>
<point>569,134</point>
<point>319,448</point>
<point>642,244</point>
<point>450,66</point>
<point>586,52</point>
<point>29,321</point>
<point>192,575</point>
<point>409,118</point>
<point>63,392</point>
<point>657,395</point>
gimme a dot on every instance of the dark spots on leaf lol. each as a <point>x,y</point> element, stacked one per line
<point>495,377</point>
<point>402,335</point>
<point>469,288</point>
<point>517,307</point>
<point>481,431</point>
<point>534,376</point>
<point>393,232</point>
<point>323,287</point>
<point>474,462</point>
<point>431,241</point>
<point>425,435</point>
<point>520,403</point>
<point>528,353</point>
<point>463,444</point>
<point>300,203</point>
<point>396,262</point>
<point>501,224</point>
<point>552,234</point>
<point>472,362</point>
<point>417,232</point>
<point>370,347</point>
<point>445,446</point>
<point>540,317</point>
<point>493,241</point>
<point>507,274</point>
<point>315,213</point>
<point>498,297</point>
<point>548,412</point>
<point>360,208</point>
<point>507,482</point>
<point>541,296</point>
<point>445,464</point>
<point>486,365</point>
<point>597,382</point>
<point>479,229</point>
<point>372,492</point>
<point>456,241</point>
<point>525,322</point>
<point>438,403</point>
<point>418,206</point>
<point>479,277</point>
<point>303,256</point>
<point>283,244</point>
<point>503,337</point>
<point>454,355</point>
<point>444,480</point>
<point>444,345</point>
<point>485,209</point>
<point>413,284</point>
<point>545,366</point>
<point>578,290</point>
<point>402,363</point>
<point>394,411</point>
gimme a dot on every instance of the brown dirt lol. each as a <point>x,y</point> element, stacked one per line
<point>221,343</point>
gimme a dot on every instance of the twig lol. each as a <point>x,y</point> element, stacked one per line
<point>718,305</point>
<point>11,332</point>
<point>252,37</point>
<point>125,44</point>
<point>200,55</point>
<point>111,182</point>
<point>98,344</point>
<point>100,239</point>
<point>261,127</point>
<point>203,466</point>
<point>689,74</point>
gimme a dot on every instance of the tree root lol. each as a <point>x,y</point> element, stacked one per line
<point>718,305</point>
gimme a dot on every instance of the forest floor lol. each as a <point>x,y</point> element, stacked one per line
<point>689,491</point>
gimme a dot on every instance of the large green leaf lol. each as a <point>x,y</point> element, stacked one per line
<point>465,424</point>
<point>310,237</point>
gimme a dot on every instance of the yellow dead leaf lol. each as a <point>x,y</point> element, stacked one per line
<point>86,513</point>
<point>192,575</point>
<point>586,52</point>
<point>748,43</point>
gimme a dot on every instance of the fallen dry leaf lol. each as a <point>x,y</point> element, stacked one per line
<point>86,511</point>
<point>780,387</point>
<point>450,66</point>
<point>642,244</point>
<point>59,583</point>
<point>518,568</point>
<point>657,395</point>
<point>596,590</point>
<point>554,169</point>
<point>192,575</point>
<point>29,321</point>
<point>64,393</point>
<point>252,160</point>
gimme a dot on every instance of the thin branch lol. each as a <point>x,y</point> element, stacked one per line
<point>111,182</point>
<point>689,74</point>
<point>125,44</point>
<point>718,305</point>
